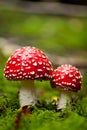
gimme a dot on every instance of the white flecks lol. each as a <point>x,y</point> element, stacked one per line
<point>19,54</point>
<point>68,83</point>
<point>80,82</point>
<point>37,76</point>
<point>20,73</point>
<point>39,69</point>
<point>46,74</point>
<point>18,64</point>
<point>40,63</point>
<point>14,62</point>
<point>20,77</point>
<point>78,77</point>
<point>32,72</point>
<point>18,70</point>
<point>44,63</point>
<point>22,69</point>
<point>62,77</point>
<point>66,73</point>
<point>54,80</point>
<point>24,74</point>
<point>44,57</point>
<point>64,82</point>
<point>6,72</point>
<point>47,64</point>
<point>70,75</point>
<point>35,63</point>
<point>48,68</point>
<point>29,56</point>
<point>23,64</point>
<point>17,77</point>
<point>18,60</point>
<point>15,56</point>
<point>39,55</point>
<point>73,85</point>
<point>57,74</point>
<point>10,62</point>
<point>41,75</point>
<point>11,70</point>
<point>74,80</point>
<point>28,67</point>
<point>59,78</point>
<point>6,76</point>
<point>36,57</point>
<point>29,76</point>
<point>54,75</point>
<point>14,75</point>
<point>33,60</point>
<point>7,67</point>
<point>49,76</point>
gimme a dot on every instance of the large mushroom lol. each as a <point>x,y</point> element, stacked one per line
<point>66,79</point>
<point>28,64</point>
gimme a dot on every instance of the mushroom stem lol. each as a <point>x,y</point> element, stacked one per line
<point>27,94</point>
<point>64,99</point>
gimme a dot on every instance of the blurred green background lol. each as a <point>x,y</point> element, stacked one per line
<point>64,36</point>
<point>60,35</point>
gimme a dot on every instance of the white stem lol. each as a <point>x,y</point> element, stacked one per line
<point>63,101</point>
<point>27,95</point>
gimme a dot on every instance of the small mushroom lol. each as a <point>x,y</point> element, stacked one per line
<point>28,64</point>
<point>66,78</point>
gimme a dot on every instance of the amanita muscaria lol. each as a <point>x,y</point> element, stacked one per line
<point>26,65</point>
<point>66,79</point>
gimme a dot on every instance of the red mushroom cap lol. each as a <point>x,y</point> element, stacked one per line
<point>28,63</point>
<point>67,77</point>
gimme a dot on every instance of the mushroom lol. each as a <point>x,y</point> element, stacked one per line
<point>28,64</point>
<point>66,79</point>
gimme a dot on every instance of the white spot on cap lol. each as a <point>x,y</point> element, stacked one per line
<point>7,67</point>
<point>43,56</point>
<point>74,80</point>
<point>37,76</point>
<point>35,63</point>
<point>46,74</point>
<point>70,75</point>
<point>24,74</point>
<point>28,67</point>
<point>39,69</point>
<point>62,77</point>
<point>40,63</point>
<point>23,64</point>
<point>19,54</point>
<point>11,70</point>
<point>32,72</point>
<point>18,59</point>
<point>48,68</point>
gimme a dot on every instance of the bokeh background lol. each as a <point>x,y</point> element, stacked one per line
<point>59,28</point>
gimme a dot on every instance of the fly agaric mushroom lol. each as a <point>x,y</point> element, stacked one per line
<point>28,64</point>
<point>66,78</point>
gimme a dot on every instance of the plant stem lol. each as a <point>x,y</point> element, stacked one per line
<point>64,99</point>
<point>27,94</point>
